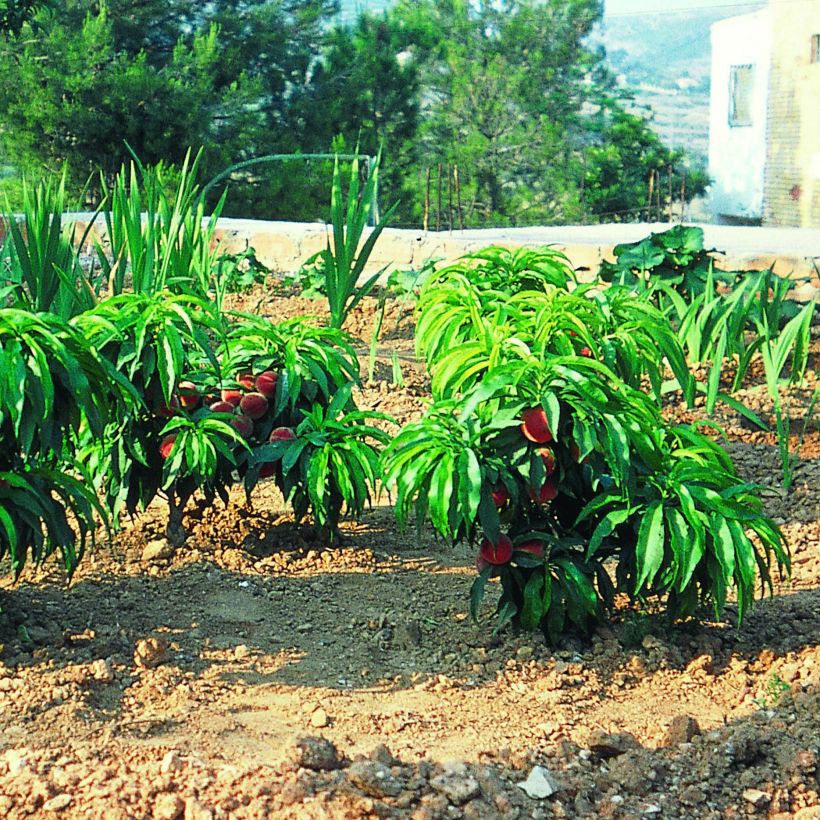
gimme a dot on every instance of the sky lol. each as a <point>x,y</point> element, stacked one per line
<point>654,6</point>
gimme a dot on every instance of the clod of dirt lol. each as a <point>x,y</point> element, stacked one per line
<point>606,745</point>
<point>681,729</point>
<point>374,779</point>
<point>160,550</point>
<point>151,652</point>
<point>316,753</point>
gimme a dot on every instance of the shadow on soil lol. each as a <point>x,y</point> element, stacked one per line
<point>391,626</point>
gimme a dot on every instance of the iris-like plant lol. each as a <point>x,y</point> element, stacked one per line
<point>345,259</point>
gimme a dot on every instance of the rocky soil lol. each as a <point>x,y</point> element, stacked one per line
<point>254,673</point>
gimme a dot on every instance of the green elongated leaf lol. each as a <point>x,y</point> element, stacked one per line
<point>470,482</point>
<point>477,591</point>
<point>578,587</point>
<point>724,547</point>
<point>488,516</point>
<point>506,612</point>
<point>649,552</point>
<point>687,550</point>
<point>546,600</point>
<point>441,494</point>
<point>713,381</point>
<point>605,528</point>
<point>533,607</point>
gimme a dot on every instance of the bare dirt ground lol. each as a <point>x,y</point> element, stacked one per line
<point>253,673</point>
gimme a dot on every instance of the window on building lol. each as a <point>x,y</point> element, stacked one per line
<point>740,94</point>
<point>815,48</point>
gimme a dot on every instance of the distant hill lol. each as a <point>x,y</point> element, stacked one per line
<point>664,57</point>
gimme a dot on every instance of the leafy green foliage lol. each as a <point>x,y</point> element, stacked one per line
<point>15,14</point>
<point>671,259</point>
<point>541,433</point>
<point>42,264</point>
<point>471,320</point>
<point>152,339</point>
<point>331,464</point>
<point>157,234</point>
<point>309,278</point>
<point>514,104</point>
<point>53,387</point>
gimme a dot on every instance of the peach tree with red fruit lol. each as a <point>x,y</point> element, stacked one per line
<point>559,464</point>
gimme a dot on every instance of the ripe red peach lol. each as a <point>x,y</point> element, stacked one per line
<point>254,405</point>
<point>231,396</point>
<point>534,425</point>
<point>245,378</point>
<point>168,410</point>
<point>534,547</point>
<point>500,496</point>
<point>282,434</point>
<point>243,425</point>
<point>266,383</point>
<point>189,395</point>
<point>548,457</point>
<point>498,553</point>
<point>547,493</point>
<point>222,407</point>
<point>167,444</point>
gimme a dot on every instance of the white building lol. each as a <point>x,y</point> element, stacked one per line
<point>741,56</point>
<point>764,138</point>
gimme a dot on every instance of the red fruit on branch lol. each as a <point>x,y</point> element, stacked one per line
<point>254,405</point>
<point>267,470</point>
<point>500,496</point>
<point>535,548</point>
<point>585,351</point>
<point>245,378</point>
<point>498,553</point>
<point>548,457</point>
<point>243,425</point>
<point>266,383</point>
<point>189,395</point>
<point>169,410</point>
<point>282,434</point>
<point>222,407</point>
<point>231,396</point>
<point>548,491</point>
<point>167,444</point>
<point>534,425</point>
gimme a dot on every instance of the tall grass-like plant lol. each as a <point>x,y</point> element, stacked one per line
<point>344,260</point>
<point>790,346</point>
<point>40,256</point>
<point>157,231</point>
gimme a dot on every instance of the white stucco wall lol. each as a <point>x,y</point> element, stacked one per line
<point>737,154</point>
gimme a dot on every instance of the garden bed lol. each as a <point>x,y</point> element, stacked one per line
<point>253,672</point>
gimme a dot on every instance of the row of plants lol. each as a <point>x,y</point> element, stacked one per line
<point>544,443</point>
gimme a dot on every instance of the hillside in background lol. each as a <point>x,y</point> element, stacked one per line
<point>666,58</point>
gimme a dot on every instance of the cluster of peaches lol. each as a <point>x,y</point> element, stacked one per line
<point>246,405</point>
<point>535,429</point>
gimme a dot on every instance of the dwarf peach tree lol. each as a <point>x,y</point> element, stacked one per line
<point>540,445</point>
